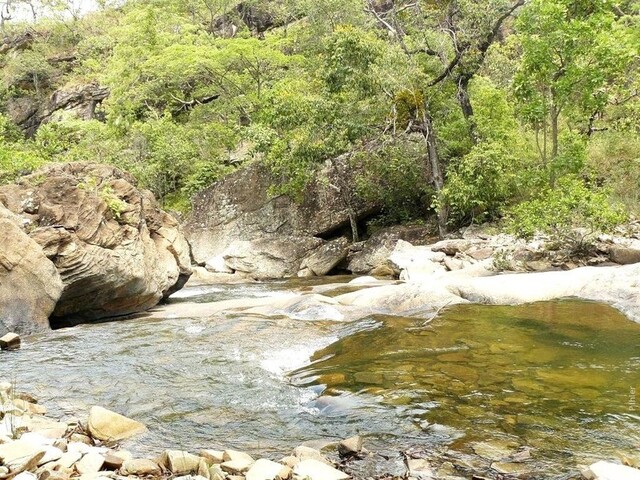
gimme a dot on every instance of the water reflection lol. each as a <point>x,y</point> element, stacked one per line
<point>560,377</point>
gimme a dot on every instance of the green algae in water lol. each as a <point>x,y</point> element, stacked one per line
<point>560,377</point>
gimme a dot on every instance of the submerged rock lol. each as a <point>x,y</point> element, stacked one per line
<point>114,249</point>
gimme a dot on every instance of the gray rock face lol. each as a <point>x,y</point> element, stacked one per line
<point>239,208</point>
<point>325,258</point>
<point>376,250</point>
<point>30,285</point>
<point>624,255</point>
<point>113,248</point>
<point>271,257</point>
<point>29,112</point>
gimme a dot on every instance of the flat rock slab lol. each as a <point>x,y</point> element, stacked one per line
<point>611,471</point>
<point>265,469</point>
<point>141,467</point>
<point>90,463</point>
<point>107,425</point>
<point>315,470</point>
<point>180,462</point>
<point>236,466</point>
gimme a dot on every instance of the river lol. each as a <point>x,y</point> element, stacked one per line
<point>558,378</point>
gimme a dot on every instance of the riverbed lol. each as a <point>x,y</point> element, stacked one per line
<point>558,379</point>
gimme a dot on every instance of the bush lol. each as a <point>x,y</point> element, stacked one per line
<point>481,183</point>
<point>558,211</point>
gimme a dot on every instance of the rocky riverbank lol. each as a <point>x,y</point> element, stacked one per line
<point>34,446</point>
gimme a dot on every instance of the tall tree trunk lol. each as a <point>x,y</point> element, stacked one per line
<point>555,113</point>
<point>435,168</point>
<point>465,105</point>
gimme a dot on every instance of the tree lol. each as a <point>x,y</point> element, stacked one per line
<point>448,41</point>
<point>575,55</point>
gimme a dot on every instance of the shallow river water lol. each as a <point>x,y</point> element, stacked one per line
<point>561,378</point>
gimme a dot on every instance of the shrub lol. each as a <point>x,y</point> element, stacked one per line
<point>558,211</point>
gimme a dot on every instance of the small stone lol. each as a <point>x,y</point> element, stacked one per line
<point>90,463</point>
<point>51,455</point>
<point>265,469</point>
<point>79,447</point>
<point>123,454</point>
<point>521,456</point>
<point>350,446</point>
<point>480,253</point>
<point>69,459</point>
<point>494,450</point>
<point>236,466</point>
<point>58,475</point>
<point>212,457</point>
<point>141,467</point>
<point>307,453</point>
<point>21,455</point>
<point>203,469</point>
<point>30,407</point>
<point>61,443</point>
<point>112,462</point>
<point>311,469</point>
<point>10,341</point>
<point>231,455</point>
<point>216,473</point>
<point>25,476</point>
<point>382,271</point>
<point>180,462</point>
<point>419,467</point>
<point>107,425</point>
<point>290,461</point>
<point>80,438</point>
<point>189,477</point>
<point>25,463</point>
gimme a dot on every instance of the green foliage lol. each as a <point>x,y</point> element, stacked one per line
<point>392,176</point>
<point>195,92</point>
<point>573,203</point>
<point>481,183</point>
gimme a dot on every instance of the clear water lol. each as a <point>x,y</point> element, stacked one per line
<point>559,377</point>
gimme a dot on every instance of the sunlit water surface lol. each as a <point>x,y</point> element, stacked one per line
<point>559,377</point>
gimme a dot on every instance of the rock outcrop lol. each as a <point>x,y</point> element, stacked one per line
<point>240,209</point>
<point>113,248</point>
<point>374,252</point>
<point>30,285</point>
<point>30,112</point>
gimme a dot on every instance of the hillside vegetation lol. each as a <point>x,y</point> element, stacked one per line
<point>458,110</point>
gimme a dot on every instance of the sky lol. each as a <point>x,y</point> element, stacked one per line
<point>22,12</point>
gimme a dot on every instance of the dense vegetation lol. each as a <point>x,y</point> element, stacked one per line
<point>465,110</point>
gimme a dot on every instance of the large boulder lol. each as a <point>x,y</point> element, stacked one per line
<point>239,207</point>
<point>270,257</point>
<point>30,285</point>
<point>115,250</point>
